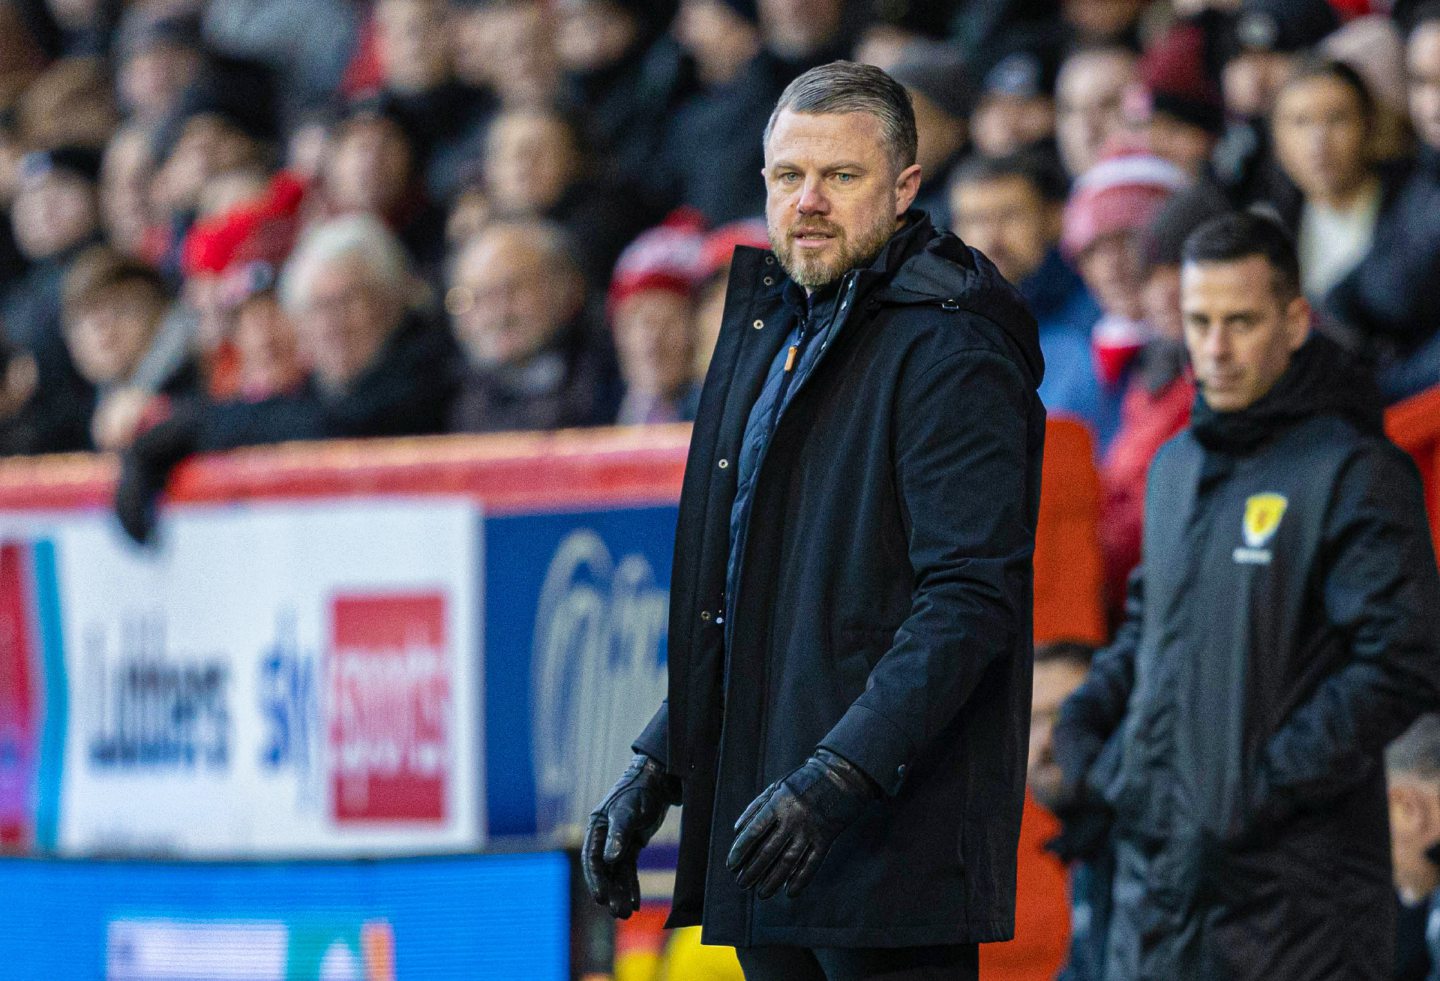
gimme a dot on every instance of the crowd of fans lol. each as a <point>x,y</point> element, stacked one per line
<point>250,221</point>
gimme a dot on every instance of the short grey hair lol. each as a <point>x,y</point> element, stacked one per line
<point>847,86</point>
<point>1417,752</point>
<point>359,238</point>
<point>548,238</point>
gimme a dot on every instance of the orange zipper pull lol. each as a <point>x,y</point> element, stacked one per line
<point>790,358</point>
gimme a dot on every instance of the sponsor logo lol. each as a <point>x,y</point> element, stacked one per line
<point>1263,513</point>
<point>249,950</point>
<point>599,667</point>
<point>391,709</point>
<point>153,707</point>
<point>289,697</point>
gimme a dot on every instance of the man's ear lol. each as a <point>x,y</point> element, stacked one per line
<point>1297,322</point>
<point>907,185</point>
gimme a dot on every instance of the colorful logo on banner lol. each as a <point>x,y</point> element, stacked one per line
<point>390,706</point>
<point>576,625</point>
<point>249,950</point>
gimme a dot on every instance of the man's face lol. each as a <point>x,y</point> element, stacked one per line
<point>52,213</point>
<point>529,162</point>
<point>1187,147</point>
<point>719,39</point>
<point>1239,332</point>
<point>1009,221</point>
<point>1113,271</point>
<point>345,321</point>
<point>267,345</point>
<point>832,197</point>
<point>654,341</point>
<point>1423,58</point>
<point>508,301</point>
<point>412,43</point>
<point>798,27</point>
<point>593,34</point>
<point>124,188</point>
<point>1003,124</point>
<point>108,337</point>
<point>1102,20</point>
<point>1054,681</point>
<point>369,169</point>
<point>1250,81</point>
<point>1320,137</point>
<point>152,80</point>
<point>1088,103</point>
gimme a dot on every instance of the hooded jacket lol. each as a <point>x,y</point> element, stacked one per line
<point>1283,627</point>
<point>882,599</point>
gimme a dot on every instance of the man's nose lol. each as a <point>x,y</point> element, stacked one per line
<point>812,198</point>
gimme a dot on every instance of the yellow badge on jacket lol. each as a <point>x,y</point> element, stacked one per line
<point>1262,518</point>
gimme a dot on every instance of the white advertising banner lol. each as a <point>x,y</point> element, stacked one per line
<point>272,680</point>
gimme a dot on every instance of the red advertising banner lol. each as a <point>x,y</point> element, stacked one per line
<point>390,686</point>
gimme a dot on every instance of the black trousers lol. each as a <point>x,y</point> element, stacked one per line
<point>960,962</point>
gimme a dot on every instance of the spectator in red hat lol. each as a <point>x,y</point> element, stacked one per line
<point>231,259</point>
<point>713,277</point>
<point>1176,103</point>
<point>1109,209</point>
<point>1159,391</point>
<point>268,362</point>
<point>652,312</point>
<point>516,304</point>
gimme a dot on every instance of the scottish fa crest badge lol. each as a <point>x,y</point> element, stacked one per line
<point>1262,518</point>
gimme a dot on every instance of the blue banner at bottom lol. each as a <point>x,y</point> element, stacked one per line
<point>480,916</point>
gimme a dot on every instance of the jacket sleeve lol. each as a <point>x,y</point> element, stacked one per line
<point>1381,589</point>
<point>1092,714</point>
<point>961,445</point>
<point>654,742</point>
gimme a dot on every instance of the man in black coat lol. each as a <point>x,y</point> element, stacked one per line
<point>850,628</point>
<point>1283,627</point>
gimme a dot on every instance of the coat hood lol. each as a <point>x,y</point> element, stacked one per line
<point>931,266</point>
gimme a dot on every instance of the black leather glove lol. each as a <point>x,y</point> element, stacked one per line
<point>146,466</point>
<point>786,832</point>
<point>622,824</point>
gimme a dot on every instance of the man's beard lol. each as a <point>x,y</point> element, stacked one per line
<point>815,271</point>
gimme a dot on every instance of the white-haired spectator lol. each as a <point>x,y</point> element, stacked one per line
<point>347,286</point>
<point>516,302</point>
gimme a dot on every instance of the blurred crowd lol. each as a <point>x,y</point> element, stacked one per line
<point>250,221</point>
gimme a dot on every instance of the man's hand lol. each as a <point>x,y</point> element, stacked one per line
<point>620,826</point>
<point>787,831</point>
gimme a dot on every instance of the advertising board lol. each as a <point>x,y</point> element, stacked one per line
<point>275,679</point>
<point>575,637</point>
<point>441,918</point>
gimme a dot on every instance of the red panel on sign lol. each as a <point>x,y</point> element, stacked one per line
<point>390,691</point>
<point>17,699</point>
